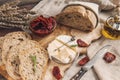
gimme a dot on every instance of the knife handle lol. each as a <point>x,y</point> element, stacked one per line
<point>79,74</point>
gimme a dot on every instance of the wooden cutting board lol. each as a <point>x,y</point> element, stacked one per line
<point>44,41</point>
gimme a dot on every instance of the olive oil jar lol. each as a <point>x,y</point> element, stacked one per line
<point>111,28</point>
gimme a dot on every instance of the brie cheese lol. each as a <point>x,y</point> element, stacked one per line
<point>62,49</point>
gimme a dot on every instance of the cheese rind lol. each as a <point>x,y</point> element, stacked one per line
<point>61,49</point>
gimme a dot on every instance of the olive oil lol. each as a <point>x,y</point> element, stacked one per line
<point>112,28</point>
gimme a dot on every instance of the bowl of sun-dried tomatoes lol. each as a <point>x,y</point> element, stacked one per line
<point>42,25</point>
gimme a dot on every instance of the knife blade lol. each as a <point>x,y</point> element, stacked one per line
<point>90,64</point>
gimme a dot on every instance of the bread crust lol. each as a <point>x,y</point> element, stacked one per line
<point>4,73</point>
<point>1,43</point>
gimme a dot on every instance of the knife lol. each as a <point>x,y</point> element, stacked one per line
<point>90,64</point>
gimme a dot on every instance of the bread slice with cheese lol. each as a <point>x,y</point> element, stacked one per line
<point>13,61</point>
<point>33,63</point>
<point>12,39</point>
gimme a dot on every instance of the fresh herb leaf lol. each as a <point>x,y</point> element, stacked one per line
<point>34,60</point>
<point>73,45</point>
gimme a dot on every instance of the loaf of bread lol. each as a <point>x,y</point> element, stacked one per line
<point>12,39</point>
<point>33,70</point>
<point>77,17</point>
<point>12,64</point>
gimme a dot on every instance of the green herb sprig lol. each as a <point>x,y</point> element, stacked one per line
<point>34,60</point>
<point>73,45</point>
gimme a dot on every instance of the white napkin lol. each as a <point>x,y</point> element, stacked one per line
<point>106,71</point>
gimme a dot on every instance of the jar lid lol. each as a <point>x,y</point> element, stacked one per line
<point>114,22</point>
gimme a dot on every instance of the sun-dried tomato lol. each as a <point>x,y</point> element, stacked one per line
<point>83,61</point>
<point>42,25</point>
<point>109,57</point>
<point>81,43</point>
<point>56,72</point>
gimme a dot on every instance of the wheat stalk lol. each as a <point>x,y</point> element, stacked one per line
<point>12,16</point>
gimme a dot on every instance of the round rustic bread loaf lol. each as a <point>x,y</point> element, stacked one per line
<point>78,17</point>
<point>12,39</point>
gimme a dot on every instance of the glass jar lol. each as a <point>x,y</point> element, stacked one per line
<point>111,28</point>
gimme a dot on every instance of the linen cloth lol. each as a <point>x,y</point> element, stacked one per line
<point>101,69</point>
<point>106,71</point>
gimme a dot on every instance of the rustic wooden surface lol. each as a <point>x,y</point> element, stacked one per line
<point>42,40</point>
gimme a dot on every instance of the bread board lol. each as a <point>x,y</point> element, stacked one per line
<point>44,40</point>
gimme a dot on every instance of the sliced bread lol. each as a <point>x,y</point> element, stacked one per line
<point>1,42</point>
<point>78,17</point>
<point>12,39</point>
<point>33,63</point>
<point>13,61</point>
